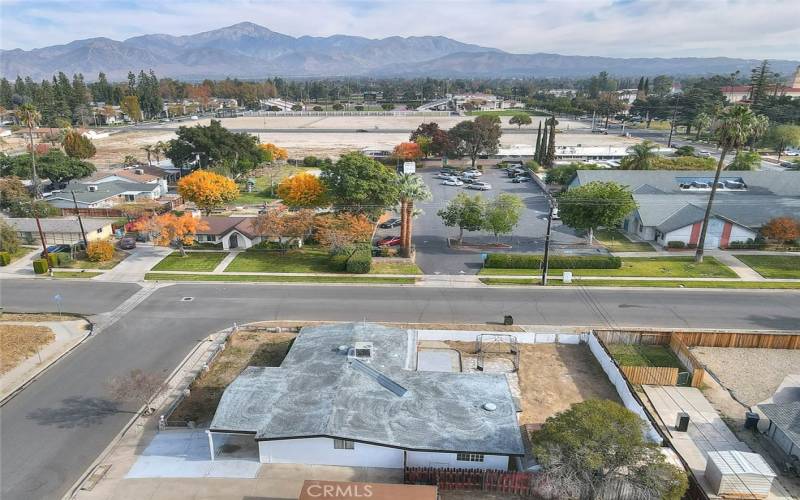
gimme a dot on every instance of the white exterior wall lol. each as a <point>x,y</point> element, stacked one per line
<point>448,460</point>
<point>320,451</point>
<point>739,233</point>
<point>244,241</point>
<point>683,234</point>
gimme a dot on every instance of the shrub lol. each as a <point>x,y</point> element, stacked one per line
<point>52,259</point>
<point>100,251</point>
<point>534,261</point>
<point>5,258</point>
<point>40,266</point>
<point>338,262</point>
<point>676,244</point>
<point>360,262</point>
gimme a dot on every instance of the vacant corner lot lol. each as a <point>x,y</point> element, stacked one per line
<point>243,349</point>
<point>752,375</point>
<point>193,261</point>
<point>19,342</point>
<point>773,266</point>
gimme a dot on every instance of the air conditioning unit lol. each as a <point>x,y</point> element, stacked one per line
<point>361,351</point>
<point>138,171</point>
<point>92,189</point>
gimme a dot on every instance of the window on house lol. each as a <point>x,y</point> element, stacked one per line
<point>130,197</point>
<point>342,444</point>
<point>469,457</point>
<point>99,230</point>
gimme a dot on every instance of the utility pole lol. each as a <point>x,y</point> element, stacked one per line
<point>80,221</point>
<point>41,235</point>
<point>672,124</point>
<point>546,260</point>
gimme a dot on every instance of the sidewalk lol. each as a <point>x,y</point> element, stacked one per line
<point>68,334</point>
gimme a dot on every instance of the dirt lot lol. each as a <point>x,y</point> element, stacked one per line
<point>742,370</point>
<point>242,350</point>
<point>114,148</point>
<point>552,377</point>
<point>19,342</point>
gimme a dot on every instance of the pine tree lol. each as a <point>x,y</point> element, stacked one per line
<point>640,87</point>
<point>550,156</point>
<point>540,154</point>
<point>759,84</point>
<point>646,87</point>
<point>538,143</point>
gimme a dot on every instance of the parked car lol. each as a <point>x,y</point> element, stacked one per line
<point>453,182</point>
<point>444,175</point>
<point>480,186</point>
<point>389,241</point>
<point>555,214</point>
<point>600,131</point>
<point>520,178</point>
<point>127,243</point>
<point>55,249</point>
<point>473,173</point>
<point>467,179</point>
<point>390,223</point>
<point>704,154</point>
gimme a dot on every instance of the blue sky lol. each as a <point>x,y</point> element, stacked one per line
<point>619,28</point>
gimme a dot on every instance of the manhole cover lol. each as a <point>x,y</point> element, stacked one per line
<point>187,299</point>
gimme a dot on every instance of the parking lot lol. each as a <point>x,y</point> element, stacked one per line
<point>430,234</point>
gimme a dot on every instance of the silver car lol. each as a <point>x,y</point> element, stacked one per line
<point>480,186</point>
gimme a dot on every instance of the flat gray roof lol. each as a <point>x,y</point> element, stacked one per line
<point>317,392</point>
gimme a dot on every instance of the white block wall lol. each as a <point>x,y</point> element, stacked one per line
<point>683,234</point>
<point>448,460</point>
<point>320,451</point>
<point>739,233</point>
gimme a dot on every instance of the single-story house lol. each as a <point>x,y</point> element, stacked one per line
<point>135,175</point>
<point>784,426</point>
<point>671,204</point>
<point>350,395</point>
<point>231,232</point>
<point>63,230</point>
<point>103,195</point>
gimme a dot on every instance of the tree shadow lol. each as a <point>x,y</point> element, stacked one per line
<point>76,411</point>
<point>774,322</point>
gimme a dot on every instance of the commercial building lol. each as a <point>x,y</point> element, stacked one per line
<point>349,395</point>
<point>671,204</point>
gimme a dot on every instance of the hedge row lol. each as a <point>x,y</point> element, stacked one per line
<point>5,258</point>
<point>534,261</point>
<point>354,262</point>
<point>59,259</point>
<point>40,266</point>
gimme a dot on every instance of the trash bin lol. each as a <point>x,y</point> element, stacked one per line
<point>751,420</point>
<point>508,320</point>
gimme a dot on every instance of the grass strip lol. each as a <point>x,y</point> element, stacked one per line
<point>651,283</point>
<point>75,274</point>
<point>276,279</point>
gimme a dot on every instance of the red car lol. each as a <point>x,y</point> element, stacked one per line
<point>389,241</point>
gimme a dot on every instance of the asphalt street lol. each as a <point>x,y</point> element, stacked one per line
<point>53,430</point>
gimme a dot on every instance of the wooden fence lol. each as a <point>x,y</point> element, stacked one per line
<point>688,360</point>
<point>651,375</point>
<point>520,483</point>
<point>633,337</point>
<point>736,339</point>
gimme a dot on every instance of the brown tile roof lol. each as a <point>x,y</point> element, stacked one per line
<point>220,226</point>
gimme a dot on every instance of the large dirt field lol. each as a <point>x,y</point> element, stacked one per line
<point>742,370</point>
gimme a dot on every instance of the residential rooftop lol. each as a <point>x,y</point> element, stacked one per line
<point>318,391</point>
<point>58,225</point>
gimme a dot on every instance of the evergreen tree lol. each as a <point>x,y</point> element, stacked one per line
<point>550,155</point>
<point>540,153</point>
<point>646,87</point>
<point>6,92</point>
<point>640,87</point>
<point>760,82</point>
<point>538,142</point>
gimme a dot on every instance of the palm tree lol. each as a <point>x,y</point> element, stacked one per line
<point>640,156</point>
<point>760,127</point>
<point>411,188</point>
<point>735,126</point>
<point>701,122</point>
<point>160,147</point>
<point>149,150</point>
<point>29,116</point>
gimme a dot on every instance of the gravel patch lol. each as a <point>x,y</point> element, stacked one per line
<point>752,375</point>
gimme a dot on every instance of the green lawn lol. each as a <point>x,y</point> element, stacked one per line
<point>307,260</point>
<point>773,266</point>
<point>194,261</point>
<point>644,355</point>
<point>394,268</point>
<point>82,263</point>
<point>75,274</point>
<point>646,267</point>
<point>615,241</point>
<point>277,279</point>
<point>22,251</point>
<point>783,285</point>
<point>261,191</point>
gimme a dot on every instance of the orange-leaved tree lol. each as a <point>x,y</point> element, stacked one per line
<point>284,226</point>
<point>207,190</point>
<point>274,152</point>
<point>343,230</point>
<point>783,229</point>
<point>170,228</point>
<point>302,191</point>
<point>407,151</point>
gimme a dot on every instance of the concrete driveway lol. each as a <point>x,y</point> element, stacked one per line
<point>430,234</point>
<point>136,265</point>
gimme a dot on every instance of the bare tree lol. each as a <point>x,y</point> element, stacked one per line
<point>137,387</point>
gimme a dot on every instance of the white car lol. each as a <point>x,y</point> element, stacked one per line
<point>452,182</point>
<point>480,186</point>
<point>473,173</point>
<point>555,214</point>
<point>444,175</point>
<point>704,154</point>
<point>194,117</point>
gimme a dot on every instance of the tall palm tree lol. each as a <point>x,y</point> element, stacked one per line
<point>735,126</point>
<point>29,116</point>
<point>640,156</point>
<point>760,127</point>
<point>160,147</point>
<point>149,150</point>
<point>701,122</point>
<point>411,188</point>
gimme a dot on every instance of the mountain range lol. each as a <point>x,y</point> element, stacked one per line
<point>247,50</point>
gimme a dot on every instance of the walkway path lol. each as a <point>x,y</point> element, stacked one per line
<point>740,268</point>
<point>224,263</point>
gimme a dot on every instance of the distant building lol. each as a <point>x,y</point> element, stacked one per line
<point>743,93</point>
<point>350,395</point>
<point>281,104</point>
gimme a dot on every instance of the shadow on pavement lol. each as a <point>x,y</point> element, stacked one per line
<point>76,411</point>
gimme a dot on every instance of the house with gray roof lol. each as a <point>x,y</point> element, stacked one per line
<point>350,395</point>
<point>62,230</point>
<point>671,204</point>
<point>104,194</point>
<point>784,427</point>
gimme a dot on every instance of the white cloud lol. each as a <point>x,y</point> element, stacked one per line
<point>628,28</point>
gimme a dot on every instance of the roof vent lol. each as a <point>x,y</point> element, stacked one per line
<point>343,349</point>
<point>489,406</point>
<point>138,171</point>
<point>361,350</point>
<point>92,188</point>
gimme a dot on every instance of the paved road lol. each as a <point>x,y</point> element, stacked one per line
<point>57,426</point>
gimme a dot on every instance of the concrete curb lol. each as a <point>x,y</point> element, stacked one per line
<point>13,393</point>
